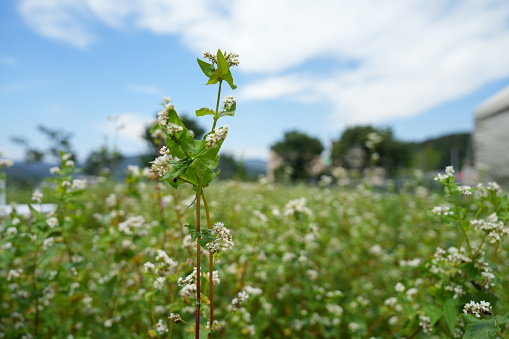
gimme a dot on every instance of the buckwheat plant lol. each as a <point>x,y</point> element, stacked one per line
<point>458,287</point>
<point>184,160</point>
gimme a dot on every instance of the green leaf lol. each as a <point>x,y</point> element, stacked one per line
<point>208,176</point>
<point>222,65</point>
<point>215,77</point>
<point>193,231</point>
<point>204,111</point>
<point>479,328</point>
<point>38,215</point>
<point>434,313</point>
<point>451,313</point>
<point>502,319</point>
<point>207,68</point>
<point>206,237</point>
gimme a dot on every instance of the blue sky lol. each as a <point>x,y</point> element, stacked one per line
<point>419,67</point>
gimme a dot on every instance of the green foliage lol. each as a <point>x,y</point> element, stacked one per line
<point>298,150</point>
<point>393,154</point>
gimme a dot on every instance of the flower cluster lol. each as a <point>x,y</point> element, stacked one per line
<point>231,58</point>
<point>466,190</point>
<point>228,102</point>
<point>494,228</point>
<point>297,206</point>
<point>190,279</point>
<point>241,297</point>
<point>454,257</point>
<point>175,317</point>
<point>425,323</point>
<point>449,173</point>
<point>218,135</point>
<point>223,240</point>
<point>161,165</point>
<point>441,210</point>
<point>477,309</point>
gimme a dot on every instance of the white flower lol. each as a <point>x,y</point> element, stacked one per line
<point>52,222</point>
<point>54,170</point>
<point>465,190</point>
<point>400,288</point>
<point>477,309</point>
<point>159,283</point>
<point>37,196</point>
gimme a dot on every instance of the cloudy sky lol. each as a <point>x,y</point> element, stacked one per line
<point>419,67</point>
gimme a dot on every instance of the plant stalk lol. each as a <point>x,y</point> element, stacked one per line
<point>198,261</point>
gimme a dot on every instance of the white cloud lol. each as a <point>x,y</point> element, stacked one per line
<point>125,130</point>
<point>145,89</point>
<point>409,56</point>
<point>64,20</point>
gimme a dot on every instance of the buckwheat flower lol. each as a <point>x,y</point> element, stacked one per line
<point>162,117</point>
<point>66,156</point>
<point>161,327</point>
<point>48,242</point>
<point>52,222</point>
<point>219,134</point>
<point>411,292</point>
<point>69,163</point>
<point>108,323</point>
<point>6,163</point>
<point>477,309</point>
<point>297,206</point>
<point>79,184</point>
<point>465,190</point>
<point>54,170</point>
<point>12,231</point>
<point>237,302</point>
<point>190,279</point>
<point>493,186</point>
<point>169,105</point>
<point>159,283</point>
<point>449,173</point>
<point>166,99</point>
<point>223,240</point>
<point>212,57</point>
<point>37,196</point>
<point>188,291</point>
<point>161,165</point>
<point>175,317</point>
<point>400,288</point>
<point>15,221</point>
<point>133,170</point>
<point>442,210</point>
<point>14,273</point>
<point>354,327</point>
<point>228,102</point>
<point>148,267</point>
<point>425,323</point>
<point>174,129</point>
<point>231,58</point>
<point>111,200</point>
<point>391,301</point>
<point>393,320</point>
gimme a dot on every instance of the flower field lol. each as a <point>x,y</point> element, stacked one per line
<point>327,262</point>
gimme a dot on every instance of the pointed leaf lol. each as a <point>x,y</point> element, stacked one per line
<point>451,313</point>
<point>204,111</point>
<point>222,65</point>
<point>479,328</point>
<point>207,68</point>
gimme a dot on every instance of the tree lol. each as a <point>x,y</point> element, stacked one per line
<point>298,151</point>
<point>393,154</point>
<point>59,140</point>
<point>100,159</point>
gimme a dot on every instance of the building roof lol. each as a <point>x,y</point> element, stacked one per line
<point>496,104</point>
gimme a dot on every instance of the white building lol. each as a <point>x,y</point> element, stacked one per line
<point>491,137</point>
